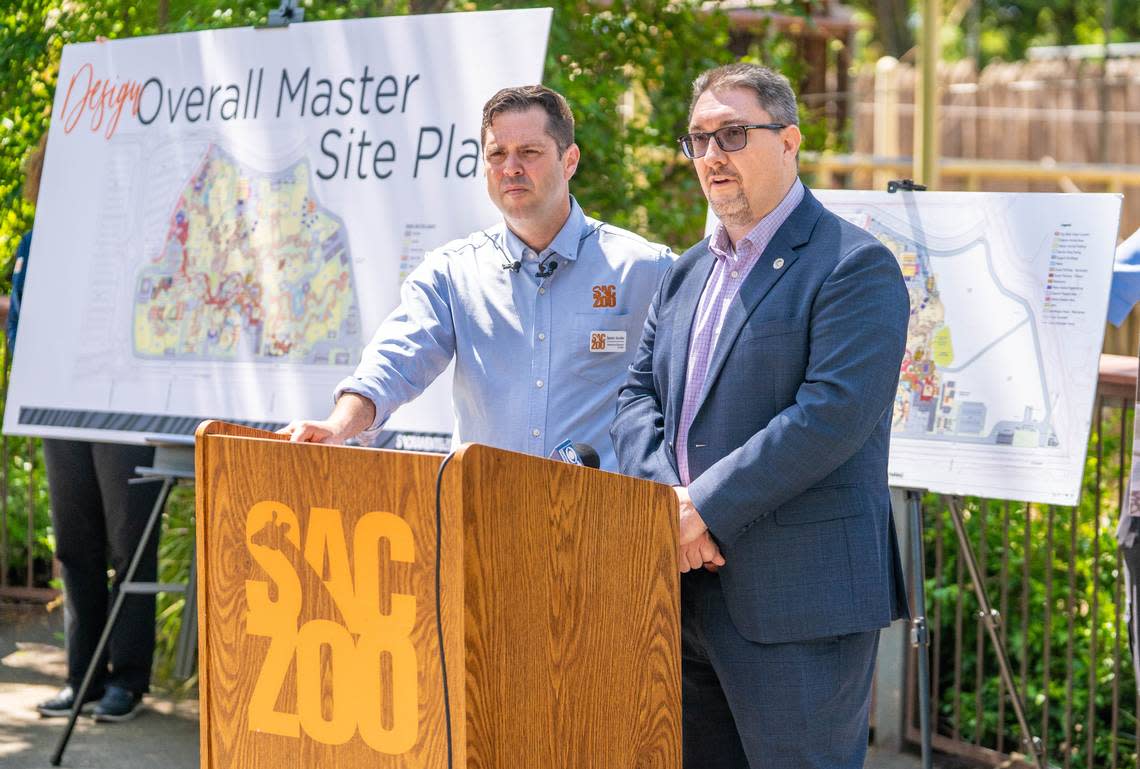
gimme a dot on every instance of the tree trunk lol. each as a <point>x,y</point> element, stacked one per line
<point>892,17</point>
<point>427,6</point>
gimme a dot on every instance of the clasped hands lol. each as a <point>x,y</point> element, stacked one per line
<point>697,546</point>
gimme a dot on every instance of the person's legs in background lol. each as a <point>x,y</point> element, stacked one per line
<point>126,508</point>
<point>99,517</point>
<point>81,547</point>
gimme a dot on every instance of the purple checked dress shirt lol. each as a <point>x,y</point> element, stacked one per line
<point>728,273</point>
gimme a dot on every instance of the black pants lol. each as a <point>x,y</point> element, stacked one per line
<point>98,520</point>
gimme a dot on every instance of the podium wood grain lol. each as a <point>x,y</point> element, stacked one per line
<point>572,616</point>
<point>559,597</point>
<point>235,473</point>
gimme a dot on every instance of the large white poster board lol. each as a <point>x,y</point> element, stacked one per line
<point>226,216</point>
<point>1009,294</point>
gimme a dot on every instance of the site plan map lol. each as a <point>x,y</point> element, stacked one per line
<point>1008,296</point>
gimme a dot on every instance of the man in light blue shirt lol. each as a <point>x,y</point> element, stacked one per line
<point>541,312</point>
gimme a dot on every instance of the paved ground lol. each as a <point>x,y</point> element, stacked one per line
<point>164,736</point>
<point>32,667</point>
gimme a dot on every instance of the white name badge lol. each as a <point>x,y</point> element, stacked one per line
<point>607,341</point>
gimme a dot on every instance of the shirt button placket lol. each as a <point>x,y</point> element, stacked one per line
<point>539,369</point>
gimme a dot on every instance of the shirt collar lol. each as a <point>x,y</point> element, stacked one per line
<point>565,243</point>
<point>759,236</point>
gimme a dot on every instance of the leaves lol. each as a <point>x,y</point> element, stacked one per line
<point>1003,29</point>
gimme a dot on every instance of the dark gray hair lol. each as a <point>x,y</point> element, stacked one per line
<point>772,89</point>
<point>559,118</point>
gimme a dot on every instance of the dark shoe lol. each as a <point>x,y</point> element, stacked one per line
<point>118,704</point>
<point>62,703</point>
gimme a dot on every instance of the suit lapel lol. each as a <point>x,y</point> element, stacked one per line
<point>784,245</point>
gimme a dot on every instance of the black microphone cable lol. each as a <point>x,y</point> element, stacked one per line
<point>543,271</point>
<point>514,265</point>
<point>439,605</point>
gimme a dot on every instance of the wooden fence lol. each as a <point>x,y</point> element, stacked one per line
<point>1055,112</point>
<point>1059,109</point>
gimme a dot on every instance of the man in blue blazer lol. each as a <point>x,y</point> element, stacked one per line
<point>762,391</point>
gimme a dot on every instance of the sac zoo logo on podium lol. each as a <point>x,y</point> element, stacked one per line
<point>348,674</point>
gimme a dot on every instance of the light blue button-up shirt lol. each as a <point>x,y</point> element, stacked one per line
<point>537,360</point>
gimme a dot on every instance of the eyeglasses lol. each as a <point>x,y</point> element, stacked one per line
<point>731,138</point>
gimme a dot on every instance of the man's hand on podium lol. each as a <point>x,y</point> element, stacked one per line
<point>697,546</point>
<point>352,414</point>
<point>312,431</point>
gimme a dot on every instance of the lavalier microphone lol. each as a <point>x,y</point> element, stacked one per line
<point>545,271</point>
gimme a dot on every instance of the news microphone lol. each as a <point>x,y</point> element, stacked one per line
<point>514,266</point>
<point>576,454</point>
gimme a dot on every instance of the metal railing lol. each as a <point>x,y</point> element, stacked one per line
<point>1055,575</point>
<point>18,559</point>
<point>23,509</point>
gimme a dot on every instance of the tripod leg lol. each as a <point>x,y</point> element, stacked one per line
<point>989,617</point>
<point>919,637</point>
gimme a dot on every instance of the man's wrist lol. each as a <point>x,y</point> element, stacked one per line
<point>692,525</point>
<point>352,414</point>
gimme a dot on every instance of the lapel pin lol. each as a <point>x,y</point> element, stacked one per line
<point>777,264</point>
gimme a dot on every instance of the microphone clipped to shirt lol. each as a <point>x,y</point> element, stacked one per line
<point>545,272</point>
<point>546,267</point>
<point>576,454</point>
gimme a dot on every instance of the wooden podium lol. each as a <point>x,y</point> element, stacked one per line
<point>331,604</point>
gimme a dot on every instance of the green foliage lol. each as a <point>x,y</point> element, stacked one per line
<point>29,55</point>
<point>25,475</point>
<point>1069,614</point>
<point>632,173</point>
<point>998,29</point>
<point>175,552</point>
<point>1005,30</point>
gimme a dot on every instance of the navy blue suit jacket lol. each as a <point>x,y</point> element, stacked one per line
<point>788,448</point>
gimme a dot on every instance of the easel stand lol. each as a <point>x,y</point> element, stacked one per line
<point>990,618</point>
<point>919,634</point>
<point>171,464</point>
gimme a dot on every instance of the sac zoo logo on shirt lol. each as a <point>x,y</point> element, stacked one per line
<point>605,296</point>
<point>349,652</point>
<point>606,341</point>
